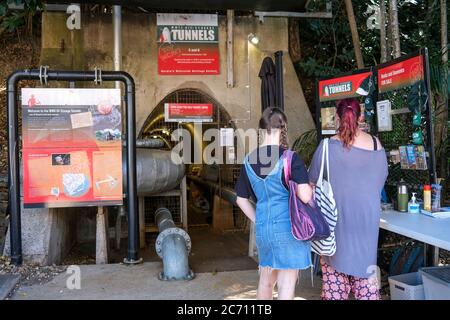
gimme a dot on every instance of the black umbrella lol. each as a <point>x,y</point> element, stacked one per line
<point>268,89</point>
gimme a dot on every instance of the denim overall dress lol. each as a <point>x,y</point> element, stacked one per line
<point>277,248</point>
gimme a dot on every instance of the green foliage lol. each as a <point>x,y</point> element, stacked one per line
<point>327,48</point>
<point>305,145</point>
<point>439,85</point>
<point>327,44</point>
<point>11,20</point>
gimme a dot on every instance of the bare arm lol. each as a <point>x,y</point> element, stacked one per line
<point>304,192</point>
<point>247,207</point>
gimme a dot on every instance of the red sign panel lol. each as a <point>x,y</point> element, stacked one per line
<point>400,74</point>
<point>188,112</point>
<point>188,44</point>
<point>72,150</point>
<point>345,87</point>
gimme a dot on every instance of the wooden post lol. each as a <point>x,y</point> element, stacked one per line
<point>102,237</point>
<point>118,227</point>
<point>183,204</point>
<point>441,124</point>
<point>294,39</point>
<point>383,31</point>
<point>222,215</point>
<point>354,31</point>
<point>393,20</point>
<point>251,241</point>
<point>230,62</point>
<point>141,222</point>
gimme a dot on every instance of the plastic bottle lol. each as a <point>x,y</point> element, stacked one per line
<point>402,197</point>
<point>427,197</point>
<point>436,197</point>
<point>413,206</point>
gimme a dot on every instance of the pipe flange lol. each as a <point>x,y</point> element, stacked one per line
<point>189,276</point>
<point>170,231</point>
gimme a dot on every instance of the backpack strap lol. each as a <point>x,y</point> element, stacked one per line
<point>375,143</point>
<point>324,161</point>
<point>287,163</point>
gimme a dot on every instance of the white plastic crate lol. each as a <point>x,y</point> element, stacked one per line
<point>407,286</point>
<point>436,282</point>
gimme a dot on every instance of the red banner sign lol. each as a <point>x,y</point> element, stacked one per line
<point>188,44</point>
<point>72,147</point>
<point>345,87</point>
<point>400,74</point>
<point>188,112</point>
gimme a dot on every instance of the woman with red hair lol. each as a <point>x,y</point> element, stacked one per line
<point>358,171</point>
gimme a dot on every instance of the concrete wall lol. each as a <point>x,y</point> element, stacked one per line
<point>140,60</point>
<point>47,235</point>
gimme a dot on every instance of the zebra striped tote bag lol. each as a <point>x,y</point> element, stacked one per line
<point>325,200</point>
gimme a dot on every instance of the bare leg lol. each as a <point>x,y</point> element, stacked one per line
<point>286,282</point>
<point>267,280</point>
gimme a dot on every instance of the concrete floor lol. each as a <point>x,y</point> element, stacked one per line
<point>220,261</point>
<point>140,282</point>
<point>211,252</point>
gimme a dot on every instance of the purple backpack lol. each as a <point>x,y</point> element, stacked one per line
<point>307,221</point>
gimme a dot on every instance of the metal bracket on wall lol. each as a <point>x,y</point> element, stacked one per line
<point>289,14</point>
<point>98,76</point>
<point>43,76</point>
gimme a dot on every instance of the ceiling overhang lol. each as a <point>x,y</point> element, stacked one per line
<point>244,5</point>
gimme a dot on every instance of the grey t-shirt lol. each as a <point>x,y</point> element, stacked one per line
<point>357,177</point>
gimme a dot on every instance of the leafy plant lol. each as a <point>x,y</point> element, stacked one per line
<point>11,20</point>
<point>305,145</point>
<point>327,48</point>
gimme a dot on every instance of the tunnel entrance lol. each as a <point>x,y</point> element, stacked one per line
<point>219,230</point>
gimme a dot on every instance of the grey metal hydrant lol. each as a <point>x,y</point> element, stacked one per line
<point>173,246</point>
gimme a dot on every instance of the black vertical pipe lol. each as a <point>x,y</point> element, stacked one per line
<point>15,231</point>
<point>133,221</point>
<point>13,154</point>
<point>374,124</point>
<point>429,250</point>
<point>279,79</point>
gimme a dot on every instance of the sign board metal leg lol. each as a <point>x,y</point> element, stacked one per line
<point>102,236</point>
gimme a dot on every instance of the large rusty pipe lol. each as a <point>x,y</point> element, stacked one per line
<point>156,172</point>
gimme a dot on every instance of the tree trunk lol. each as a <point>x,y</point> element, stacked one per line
<point>393,18</point>
<point>444,32</point>
<point>383,48</point>
<point>354,31</point>
<point>294,40</point>
<point>389,41</point>
<point>441,126</point>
